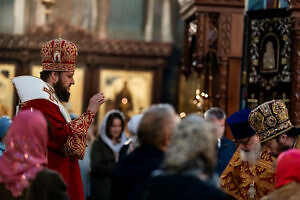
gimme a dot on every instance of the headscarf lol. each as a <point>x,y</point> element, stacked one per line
<point>114,147</point>
<point>25,154</point>
<point>288,165</point>
<point>133,124</point>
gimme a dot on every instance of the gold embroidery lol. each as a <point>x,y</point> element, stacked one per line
<point>76,143</point>
<point>59,50</point>
<point>238,176</point>
<point>265,110</point>
<point>270,119</point>
<point>58,67</point>
<point>50,92</point>
<point>256,120</point>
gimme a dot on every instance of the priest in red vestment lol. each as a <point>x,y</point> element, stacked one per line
<point>67,139</point>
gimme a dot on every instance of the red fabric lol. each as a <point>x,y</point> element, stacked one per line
<point>288,166</point>
<point>66,166</point>
<point>58,55</point>
<point>25,153</point>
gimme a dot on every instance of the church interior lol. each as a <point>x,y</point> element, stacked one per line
<point>193,54</point>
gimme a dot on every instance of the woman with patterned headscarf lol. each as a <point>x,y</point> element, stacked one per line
<point>23,174</point>
<point>105,153</point>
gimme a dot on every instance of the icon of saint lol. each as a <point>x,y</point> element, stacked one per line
<point>269,57</point>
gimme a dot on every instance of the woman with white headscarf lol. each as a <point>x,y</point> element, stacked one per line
<point>105,153</point>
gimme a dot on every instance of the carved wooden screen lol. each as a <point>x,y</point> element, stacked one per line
<point>268,57</point>
<point>127,90</point>
<point>200,66</point>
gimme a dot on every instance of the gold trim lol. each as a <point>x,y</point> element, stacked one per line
<point>273,136</point>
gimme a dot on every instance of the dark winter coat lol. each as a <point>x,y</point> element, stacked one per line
<point>225,153</point>
<point>47,185</point>
<point>132,172</point>
<point>102,163</point>
<point>179,187</point>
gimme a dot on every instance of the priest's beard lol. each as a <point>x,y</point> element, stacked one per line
<point>251,155</point>
<point>62,93</point>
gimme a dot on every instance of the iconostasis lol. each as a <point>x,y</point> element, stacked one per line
<point>7,71</point>
<point>268,58</point>
<point>129,91</point>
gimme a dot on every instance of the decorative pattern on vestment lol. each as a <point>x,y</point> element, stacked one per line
<point>58,67</point>
<point>58,55</point>
<point>51,93</point>
<point>238,176</point>
<point>270,119</point>
<point>76,143</point>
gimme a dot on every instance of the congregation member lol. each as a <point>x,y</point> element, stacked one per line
<point>287,177</point>
<point>105,153</point>
<point>250,173</point>
<point>132,127</point>
<point>225,146</point>
<point>5,123</point>
<point>188,165</point>
<point>67,139</point>
<point>154,133</point>
<point>271,121</point>
<point>23,174</point>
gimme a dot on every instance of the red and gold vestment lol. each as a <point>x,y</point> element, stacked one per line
<point>67,139</point>
<point>241,180</point>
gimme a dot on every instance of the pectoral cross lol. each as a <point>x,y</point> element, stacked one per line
<point>51,97</point>
<point>251,191</point>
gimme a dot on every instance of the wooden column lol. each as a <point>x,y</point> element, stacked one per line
<point>166,22</point>
<point>224,50</point>
<point>295,107</point>
<point>223,83</point>
<point>202,37</point>
<point>91,80</point>
<point>149,21</point>
<point>103,7</point>
<point>234,83</point>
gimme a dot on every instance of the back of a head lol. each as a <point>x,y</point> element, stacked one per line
<point>156,121</point>
<point>25,154</point>
<point>287,169</point>
<point>214,113</point>
<point>192,143</point>
<point>29,128</point>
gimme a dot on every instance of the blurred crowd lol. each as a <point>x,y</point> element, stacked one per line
<point>48,154</point>
<point>157,155</point>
